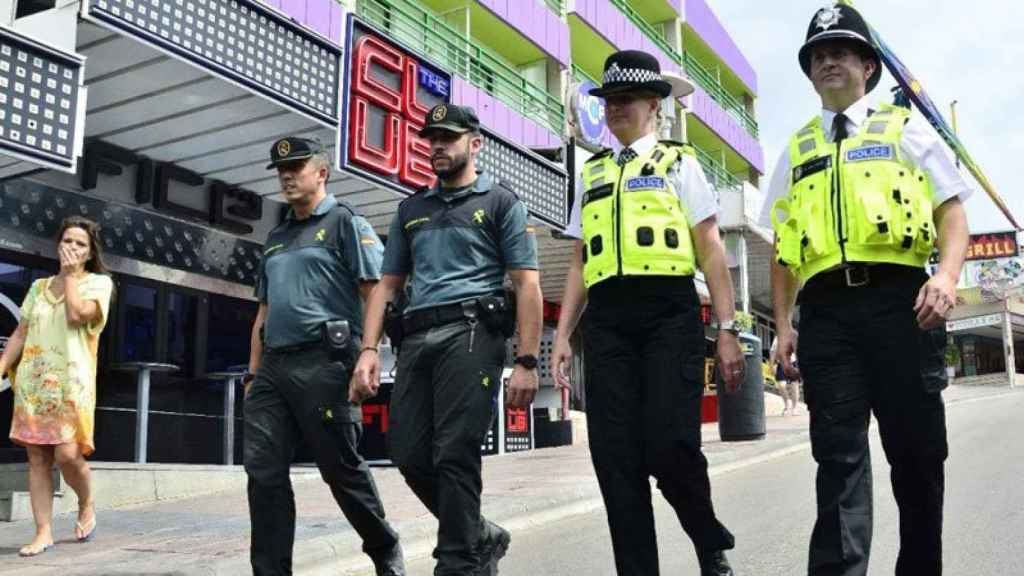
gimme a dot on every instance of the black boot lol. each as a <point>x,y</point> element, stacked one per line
<point>494,542</point>
<point>390,563</point>
<point>714,564</point>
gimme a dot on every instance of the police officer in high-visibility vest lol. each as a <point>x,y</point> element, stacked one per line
<point>858,200</point>
<point>646,220</point>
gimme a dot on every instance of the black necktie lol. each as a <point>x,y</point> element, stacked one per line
<point>625,156</point>
<point>839,132</point>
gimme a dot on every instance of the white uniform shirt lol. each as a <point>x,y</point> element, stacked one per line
<point>919,144</point>
<point>686,178</point>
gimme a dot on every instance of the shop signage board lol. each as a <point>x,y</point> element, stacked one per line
<point>992,245</point>
<point>42,102</point>
<point>388,90</point>
<point>32,214</point>
<point>974,322</point>
<point>591,125</point>
<point>242,41</point>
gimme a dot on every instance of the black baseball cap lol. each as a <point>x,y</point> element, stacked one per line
<point>293,148</point>
<point>450,117</point>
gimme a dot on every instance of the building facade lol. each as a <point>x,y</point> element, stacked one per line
<point>155,119</point>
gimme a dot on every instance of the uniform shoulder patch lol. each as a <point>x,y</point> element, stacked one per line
<point>601,154</point>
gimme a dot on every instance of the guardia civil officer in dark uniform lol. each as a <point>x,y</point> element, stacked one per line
<point>858,199</point>
<point>646,220</point>
<point>457,240</point>
<point>316,266</point>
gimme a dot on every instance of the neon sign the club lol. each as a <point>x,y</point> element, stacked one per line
<point>390,90</point>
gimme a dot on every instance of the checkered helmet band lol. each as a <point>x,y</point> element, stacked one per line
<point>629,75</point>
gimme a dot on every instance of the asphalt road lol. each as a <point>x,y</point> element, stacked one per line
<point>770,509</point>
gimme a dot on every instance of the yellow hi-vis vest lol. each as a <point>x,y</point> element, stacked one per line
<point>876,207</point>
<point>633,222</point>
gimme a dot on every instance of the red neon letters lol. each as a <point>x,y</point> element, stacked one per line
<point>404,154</point>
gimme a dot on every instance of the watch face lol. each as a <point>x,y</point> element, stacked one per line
<point>527,361</point>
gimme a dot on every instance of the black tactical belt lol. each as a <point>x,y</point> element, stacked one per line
<point>862,275</point>
<point>293,348</point>
<point>419,320</point>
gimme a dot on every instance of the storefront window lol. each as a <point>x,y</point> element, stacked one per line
<point>136,323</point>
<point>228,337</point>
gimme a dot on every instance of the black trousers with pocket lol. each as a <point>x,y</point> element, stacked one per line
<point>304,395</point>
<point>442,405</point>
<point>643,346</point>
<point>861,352</point>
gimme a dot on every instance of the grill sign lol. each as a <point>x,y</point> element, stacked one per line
<point>992,245</point>
<point>389,91</point>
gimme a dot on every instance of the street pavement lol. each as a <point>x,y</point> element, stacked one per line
<point>550,501</point>
<point>770,508</point>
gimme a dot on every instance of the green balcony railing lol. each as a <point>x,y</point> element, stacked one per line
<point>716,173</point>
<point>556,6</point>
<point>709,83</point>
<point>581,75</point>
<point>647,29</point>
<point>420,29</point>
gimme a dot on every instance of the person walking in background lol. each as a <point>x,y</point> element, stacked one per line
<point>52,354</point>
<point>789,387</point>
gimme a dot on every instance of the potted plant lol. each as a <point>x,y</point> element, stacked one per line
<point>952,359</point>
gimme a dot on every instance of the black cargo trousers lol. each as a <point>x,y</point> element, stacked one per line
<point>643,346</point>
<point>861,352</point>
<point>302,393</point>
<point>442,405</point>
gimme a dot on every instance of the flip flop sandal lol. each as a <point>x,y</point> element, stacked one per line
<point>82,529</point>
<point>29,551</point>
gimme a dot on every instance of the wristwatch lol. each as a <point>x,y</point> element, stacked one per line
<point>729,326</point>
<point>528,361</point>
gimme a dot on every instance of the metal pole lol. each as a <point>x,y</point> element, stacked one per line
<point>1011,368</point>
<point>952,114</point>
<point>142,415</point>
<point>229,420</point>
<point>741,255</point>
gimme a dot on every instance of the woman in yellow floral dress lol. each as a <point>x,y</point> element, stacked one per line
<point>53,355</point>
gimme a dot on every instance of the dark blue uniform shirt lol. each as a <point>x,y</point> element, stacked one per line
<point>311,270</point>
<point>457,244</point>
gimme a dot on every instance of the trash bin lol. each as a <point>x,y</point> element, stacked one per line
<point>741,414</point>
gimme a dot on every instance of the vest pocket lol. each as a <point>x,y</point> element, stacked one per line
<point>925,225</point>
<point>787,234</point>
<point>875,225</point>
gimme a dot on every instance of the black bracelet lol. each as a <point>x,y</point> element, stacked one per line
<point>365,348</point>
